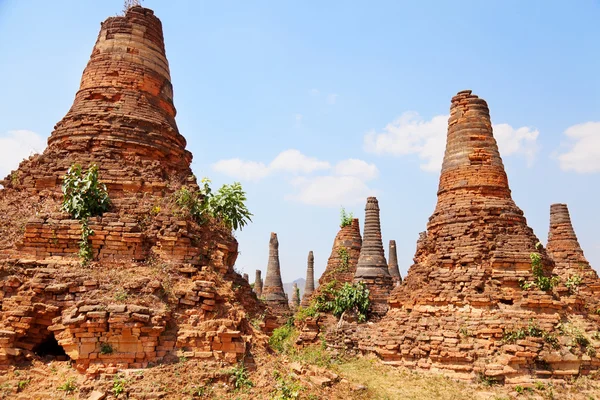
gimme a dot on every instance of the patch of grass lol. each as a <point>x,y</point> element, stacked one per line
<point>119,385</point>
<point>69,386</point>
<point>283,338</point>
<point>106,348</point>
<point>241,380</point>
<point>286,387</point>
<point>22,384</point>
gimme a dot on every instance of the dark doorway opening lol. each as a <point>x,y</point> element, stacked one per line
<point>50,348</point>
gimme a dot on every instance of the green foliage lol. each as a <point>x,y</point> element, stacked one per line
<point>119,384</point>
<point>227,205</point>
<point>345,218</point>
<point>286,388</point>
<point>532,330</point>
<point>22,384</point>
<point>240,377</point>
<point>487,380</point>
<point>540,280</point>
<point>69,386</point>
<point>83,195</point>
<point>573,283</point>
<point>351,297</point>
<point>85,248</point>
<point>106,348</point>
<point>344,259</point>
<point>280,340</point>
<point>306,312</point>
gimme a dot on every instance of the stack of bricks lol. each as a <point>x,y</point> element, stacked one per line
<point>122,120</point>
<point>468,305</point>
<point>372,268</point>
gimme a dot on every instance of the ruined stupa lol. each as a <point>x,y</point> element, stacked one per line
<point>393,263</point>
<point>295,302</point>
<point>470,304</point>
<point>258,284</point>
<point>157,279</point>
<point>564,247</point>
<point>246,277</point>
<point>272,291</point>
<point>309,286</point>
<point>372,268</point>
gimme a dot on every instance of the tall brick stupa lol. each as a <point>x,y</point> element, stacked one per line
<point>372,268</point>
<point>123,121</point>
<point>309,286</point>
<point>472,286</point>
<point>272,290</point>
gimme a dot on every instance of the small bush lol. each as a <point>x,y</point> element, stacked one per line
<point>240,377</point>
<point>227,205</point>
<point>352,297</point>
<point>23,384</point>
<point>83,195</point>
<point>286,388</point>
<point>69,386</point>
<point>573,283</point>
<point>280,339</point>
<point>345,218</point>
<point>119,384</point>
<point>106,348</point>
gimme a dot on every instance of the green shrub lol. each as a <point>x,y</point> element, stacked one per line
<point>69,386</point>
<point>240,377</point>
<point>281,337</point>
<point>106,348</point>
<point>306,312</point>
<point>573,283</point>
<point>227,205</point>
<point>352,297</point>
<point>83,195</point>
<point>543,282</point>
<point>345,218</point>
<point>119,384</point>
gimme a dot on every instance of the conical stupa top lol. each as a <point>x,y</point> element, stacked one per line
<point>393,262</point>
<point>371,262</point>
<point>258,283</point>
<point>273,286</point>
<point>295,297</point>
<point>309,287</point>
<point>125,99</point>
<point>563,245</point>
<point>472,160</point>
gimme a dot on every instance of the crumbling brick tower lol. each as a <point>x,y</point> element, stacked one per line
<point>272,290</point>
<point>393,263</point>
<point>469,304</point>
<point>309,286</point>
<point>372,268</point>
<point>160,285</point>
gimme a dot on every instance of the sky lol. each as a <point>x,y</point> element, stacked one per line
<point>315,105</point>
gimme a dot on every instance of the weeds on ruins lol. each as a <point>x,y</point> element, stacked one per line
<point>83,194</point>
<point>345,218</point>
<point>226,206</point>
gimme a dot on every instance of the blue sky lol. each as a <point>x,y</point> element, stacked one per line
<point>315,105</point>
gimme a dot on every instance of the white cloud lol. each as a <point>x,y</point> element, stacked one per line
<point>332,98</point>
<point>298,118</point>
<point>240,169</point>
<point>411,134</point>
<point>295,162</point>
<point>584,154</point>
<point>357,168</point>
<point>314,92</point>
<point>330,191</point>
<point>16,146</point>
<point>344,183</point>
<point>520,141</point>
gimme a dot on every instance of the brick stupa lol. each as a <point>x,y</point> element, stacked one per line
<point>564,247</point>
<point>159,285</point>
<point>272,291</point>
<point>309,286</point>
<point>463,309</point>
<point>393,263</point>
<point>372,268</point>
<point>258,283</point>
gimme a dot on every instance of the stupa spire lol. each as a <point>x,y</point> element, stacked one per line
<point>393,263</point>
<point>309,286</point>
